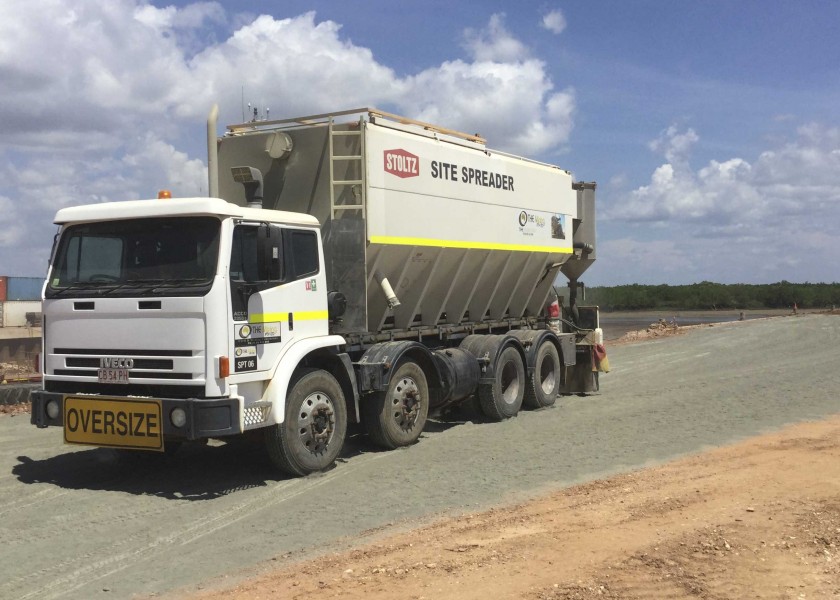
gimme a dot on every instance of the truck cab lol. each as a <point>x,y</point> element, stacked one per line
<point>175,313</point>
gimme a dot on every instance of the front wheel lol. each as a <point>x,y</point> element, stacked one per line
<point>397,416</point>
<point>313,431</point>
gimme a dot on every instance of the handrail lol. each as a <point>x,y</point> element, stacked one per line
<point>324,118</point>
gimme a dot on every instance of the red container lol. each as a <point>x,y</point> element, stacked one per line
<point>3,280</point>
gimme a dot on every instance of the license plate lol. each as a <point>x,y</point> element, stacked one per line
<point>110,422</point>
<point>113,375</point>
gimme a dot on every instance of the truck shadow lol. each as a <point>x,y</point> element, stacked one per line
<point>195,471</point>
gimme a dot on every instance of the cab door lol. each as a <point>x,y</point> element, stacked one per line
<point>277,293</point>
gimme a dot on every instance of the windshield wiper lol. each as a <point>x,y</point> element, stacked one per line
<point>131,283</point>
<point>73,287</point>
<point>187,281</point>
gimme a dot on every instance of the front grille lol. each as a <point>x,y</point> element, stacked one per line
<point>117,352</point>
<point>132,374</point>
<point>132,389</point>
<point>181,365</point>
<point>139,363</point>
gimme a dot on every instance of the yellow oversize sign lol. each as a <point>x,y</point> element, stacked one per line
<point>119,423</point>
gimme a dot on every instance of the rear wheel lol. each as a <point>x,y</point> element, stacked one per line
<point>313,432</point>
<point>503,398</point>
<point>397,416</point>
<point>544,384</point>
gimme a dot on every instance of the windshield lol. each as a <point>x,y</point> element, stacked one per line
<point>155,256</point>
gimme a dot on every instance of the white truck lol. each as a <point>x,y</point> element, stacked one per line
<point>354,267</point>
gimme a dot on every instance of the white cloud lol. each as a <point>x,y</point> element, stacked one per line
<point>770,219</point>
<point>673,144</point>
<point>124,68</point>
<point>481,98</point>
<point>191,16</point>
<point>9,235</point>
<point>554,21</point>
<point>296,64</point>
<point>106,99</point>
<point>494,43</point>
<point>799,178</point>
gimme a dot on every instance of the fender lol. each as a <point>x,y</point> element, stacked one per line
<point>374,369</point>
<point>533,339</point>
<point>278,385</point>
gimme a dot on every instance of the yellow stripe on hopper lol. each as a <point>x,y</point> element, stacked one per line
<point>411,241</point>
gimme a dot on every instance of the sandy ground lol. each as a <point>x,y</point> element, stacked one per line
<point>760,519</point>
<point>477,509</point>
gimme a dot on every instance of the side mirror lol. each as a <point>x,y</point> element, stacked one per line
<point>269,253</point>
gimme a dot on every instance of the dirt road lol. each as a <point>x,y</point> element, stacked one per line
<point>746,521</point>
<point>76,523</point>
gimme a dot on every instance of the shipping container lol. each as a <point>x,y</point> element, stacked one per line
<point>3,279</point>
<point>14,314</point>
<point>23,288</point>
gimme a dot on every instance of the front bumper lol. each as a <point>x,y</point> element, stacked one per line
<point>206,418</point>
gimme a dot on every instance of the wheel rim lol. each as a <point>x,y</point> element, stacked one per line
<point>405,403</point>
<point>548,375</point>
<point>510,382</point>
<point>316,422</point>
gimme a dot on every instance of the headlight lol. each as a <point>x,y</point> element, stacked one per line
<point>53,409</point>
<point>178,417</point>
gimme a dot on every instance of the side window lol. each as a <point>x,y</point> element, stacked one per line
<point>243,254</point>
<point>304,252</point>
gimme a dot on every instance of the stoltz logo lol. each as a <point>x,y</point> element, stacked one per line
<point>401,163</point>
<point>523,218</point>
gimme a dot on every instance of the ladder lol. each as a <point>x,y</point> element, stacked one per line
<point>338,186</point>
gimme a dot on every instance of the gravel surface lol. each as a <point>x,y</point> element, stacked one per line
<point>742,521</point>
<point>80,523</point>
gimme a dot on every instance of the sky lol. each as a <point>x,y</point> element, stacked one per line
<point>711,128</point>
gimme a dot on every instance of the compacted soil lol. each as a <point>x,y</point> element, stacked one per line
<point>706,467</point>
<point>759,519</point>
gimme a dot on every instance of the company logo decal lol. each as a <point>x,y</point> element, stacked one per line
<point>402,163</point>
<point>526,218</point>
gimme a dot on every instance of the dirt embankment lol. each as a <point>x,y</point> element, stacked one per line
<point>760,519</point>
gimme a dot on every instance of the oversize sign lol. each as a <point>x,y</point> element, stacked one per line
<point>117,423</point>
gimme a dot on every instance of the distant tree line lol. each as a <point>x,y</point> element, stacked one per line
<point>708,295</point>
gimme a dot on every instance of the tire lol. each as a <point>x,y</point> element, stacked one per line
<point>312,433</point>
<point>503,398</point>
<point>397,416</point>
<point>544,384</point>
